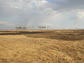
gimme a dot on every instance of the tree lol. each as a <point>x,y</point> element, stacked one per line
<point>42,27</point>
<point>21,28</point>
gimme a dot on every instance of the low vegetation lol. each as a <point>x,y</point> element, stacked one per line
<point>44,46</point>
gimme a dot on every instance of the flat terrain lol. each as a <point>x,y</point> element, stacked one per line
<point>42,46</point>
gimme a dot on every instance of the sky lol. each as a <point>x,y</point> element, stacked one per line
<point>55,14</point>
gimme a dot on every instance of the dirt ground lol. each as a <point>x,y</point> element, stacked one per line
<point>42,47</point>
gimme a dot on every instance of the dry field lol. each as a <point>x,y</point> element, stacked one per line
<point>44,46</point>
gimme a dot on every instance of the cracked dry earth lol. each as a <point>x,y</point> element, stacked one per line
<point>22,49</point>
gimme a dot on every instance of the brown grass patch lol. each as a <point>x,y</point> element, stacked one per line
<point>33,47</point>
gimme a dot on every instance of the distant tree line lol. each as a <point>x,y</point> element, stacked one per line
<point>42,27</point>
<point>21,27</point>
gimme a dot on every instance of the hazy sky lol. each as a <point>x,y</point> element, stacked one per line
<point>57,14</point>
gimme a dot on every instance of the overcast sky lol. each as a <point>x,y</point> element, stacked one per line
<point>57,14</point>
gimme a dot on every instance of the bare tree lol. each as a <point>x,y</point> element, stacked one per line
<point>20,28</point>
<point>42,27</point>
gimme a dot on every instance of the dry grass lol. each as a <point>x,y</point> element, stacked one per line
<point>42,47</point>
